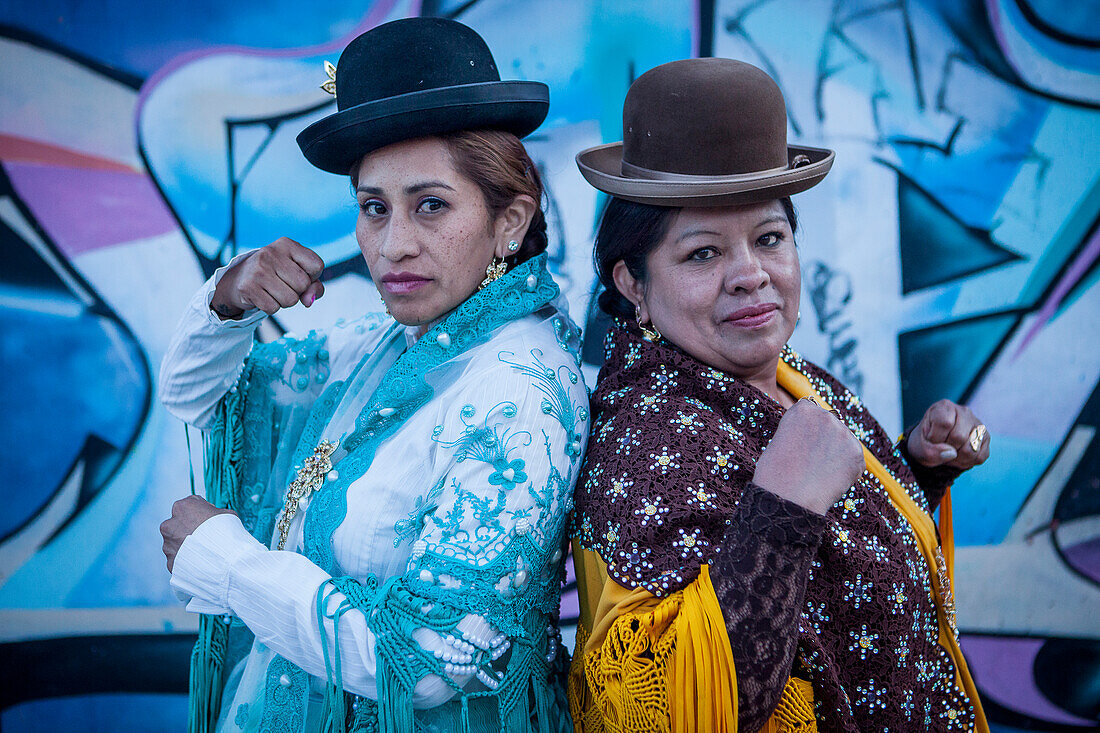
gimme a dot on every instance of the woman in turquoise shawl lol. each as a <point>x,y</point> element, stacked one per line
<point>382,545</point>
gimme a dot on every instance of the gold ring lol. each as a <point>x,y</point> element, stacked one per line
<point>977,436</point>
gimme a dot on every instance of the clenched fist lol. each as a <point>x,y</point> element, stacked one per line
<point>278,276</point>
<point>812,458</point>
<point>187,514</point>
<point>949,435</point>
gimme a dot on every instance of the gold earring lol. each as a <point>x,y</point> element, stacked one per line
<point>649,334</point>
<point>497,267</point>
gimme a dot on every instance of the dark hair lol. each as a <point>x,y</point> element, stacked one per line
<point>500,167</point>
<point>629,232</point>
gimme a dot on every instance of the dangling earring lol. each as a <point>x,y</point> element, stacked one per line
<point>513,246</point>
<point>497,267</point>
<point>649,334</point>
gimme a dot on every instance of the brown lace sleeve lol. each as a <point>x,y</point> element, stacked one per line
<point>760,578</point>
<point>934,482</point>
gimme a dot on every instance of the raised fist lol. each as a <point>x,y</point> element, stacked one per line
<point>812,459</point>
<point>278,276</point>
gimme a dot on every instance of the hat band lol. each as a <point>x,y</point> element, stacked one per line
<point>629,170</point>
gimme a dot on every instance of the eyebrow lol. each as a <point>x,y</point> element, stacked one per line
<point>414,188</point>
<point>696,232</point>
<point>775,219</point>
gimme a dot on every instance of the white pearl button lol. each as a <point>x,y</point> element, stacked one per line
<point>386,411</point>
<point>508,474</point>
<point>303,503</point>
<point>532,281</point>
<point>284,681</point>
<point>332,475</point>
<point>426,576</point>
<point>443,339</point>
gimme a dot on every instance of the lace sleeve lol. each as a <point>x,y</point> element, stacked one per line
<point>760,578</point>
<point>934,482</point>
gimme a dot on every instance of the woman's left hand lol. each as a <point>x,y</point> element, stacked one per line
<point>187,514</point>
<point>949,435</point>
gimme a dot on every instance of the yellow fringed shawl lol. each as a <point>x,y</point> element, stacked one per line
<point>660,664</point>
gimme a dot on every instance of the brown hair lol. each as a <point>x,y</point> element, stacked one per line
<point>499,165</point>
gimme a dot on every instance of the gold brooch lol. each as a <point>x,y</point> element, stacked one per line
<point>946,595</point>
<point>330,85</point>
<point>310,477</point>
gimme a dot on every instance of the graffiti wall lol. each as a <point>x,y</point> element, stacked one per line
<point>952,252</point>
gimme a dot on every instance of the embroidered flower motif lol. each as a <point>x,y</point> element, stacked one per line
<point>508,474</point>
<point>878,550</point>
<point>650,403</point>
<point>651,511</point>
<point>690,543</point>
<point>663,380</point>
<point>702,498</point>
<point>851,506</point>
<point>863,642</point>
<point>723,463</point>
<point>628,441</point>
<point>664,462</point>
<point>586,528</point>
<point>684,422</point>
<point>858,591</point>
<point>871,697</point>
<point>898,597</point>
<point>612,534</point>
<point>902,650</point>
<point>241,718</point>
<point>618,488</point>
<point>817,614</point>
<point>633,352</point>
<point>735,435</point>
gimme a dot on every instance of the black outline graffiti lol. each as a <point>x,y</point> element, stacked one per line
<point>99,308</point>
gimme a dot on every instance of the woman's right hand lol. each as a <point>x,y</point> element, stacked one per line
<point>277,276</point>
<point>812,459</point>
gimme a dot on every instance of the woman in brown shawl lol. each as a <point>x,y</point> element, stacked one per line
<point>746,559</point>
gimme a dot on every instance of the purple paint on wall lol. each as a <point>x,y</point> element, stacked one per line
<point>1002,669</point>
<point>84,209</point>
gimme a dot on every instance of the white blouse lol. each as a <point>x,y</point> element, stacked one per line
<point>423,492</point>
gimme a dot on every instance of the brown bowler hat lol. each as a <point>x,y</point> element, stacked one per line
<point>704,132</point>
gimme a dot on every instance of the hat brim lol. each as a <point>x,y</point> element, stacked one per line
<point>601,166</point>
<point>334,143</point>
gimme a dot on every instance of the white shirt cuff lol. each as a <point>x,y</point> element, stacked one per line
<point>247,319</point>
<point>200,573</point>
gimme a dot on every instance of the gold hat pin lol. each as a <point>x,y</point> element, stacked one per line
<point>330,85</point>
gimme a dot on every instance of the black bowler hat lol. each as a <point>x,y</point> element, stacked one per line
<point>412,78</point>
